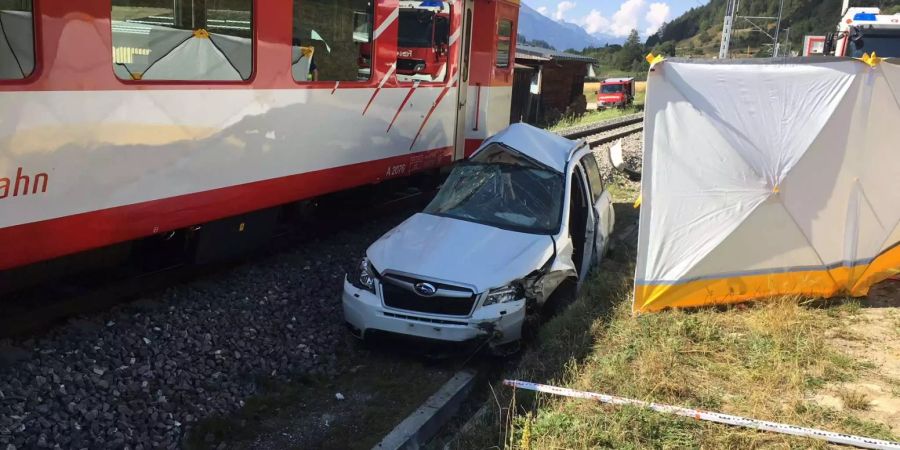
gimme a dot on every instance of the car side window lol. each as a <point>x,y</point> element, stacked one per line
<point>589,162</point>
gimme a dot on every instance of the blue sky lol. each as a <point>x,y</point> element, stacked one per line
<point>615,17</point>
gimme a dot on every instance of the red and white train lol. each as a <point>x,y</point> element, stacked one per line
<point>123,119</point>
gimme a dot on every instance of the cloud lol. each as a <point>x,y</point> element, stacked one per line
<point>562,8</point>
<point>626,18</point>
<point>594,22</point>
<point>657,15</point>
<point>542,10</point>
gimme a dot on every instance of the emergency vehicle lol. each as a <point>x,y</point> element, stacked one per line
<point>862,31</point>
<point>615,93</point>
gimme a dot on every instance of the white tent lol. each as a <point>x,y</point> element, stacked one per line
<point>768,178</point>
<point>16,45</point>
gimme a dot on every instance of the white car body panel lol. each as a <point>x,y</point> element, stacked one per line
<point>459,252</point>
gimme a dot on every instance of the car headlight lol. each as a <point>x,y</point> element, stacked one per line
<point>502,295</point>
<point>366,278</point>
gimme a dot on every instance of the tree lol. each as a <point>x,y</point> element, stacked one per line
<point>666,48</point>
<point>631,51</point>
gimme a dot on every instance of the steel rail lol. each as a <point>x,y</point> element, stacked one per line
<point>613,137</point>
<point>602,127</point>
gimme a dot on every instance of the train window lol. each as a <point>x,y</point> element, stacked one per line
<point>17,36</point>
<point>423,41</point>
<point>504,42</point>
<point>332,40</point>
<point>182,40</point>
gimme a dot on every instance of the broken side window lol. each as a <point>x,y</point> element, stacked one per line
<point>332,40</point>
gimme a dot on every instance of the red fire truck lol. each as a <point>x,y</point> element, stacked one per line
<point>615,92</point>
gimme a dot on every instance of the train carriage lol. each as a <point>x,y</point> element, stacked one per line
<point>123,119</point>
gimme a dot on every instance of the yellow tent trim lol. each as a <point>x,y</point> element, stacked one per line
<point>654,59</point>
<point>854,281</point>
<point>637,203</point>
<point>872,60</point>
<point>200,33</point>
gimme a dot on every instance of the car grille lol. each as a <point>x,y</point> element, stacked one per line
<point>399,297</point>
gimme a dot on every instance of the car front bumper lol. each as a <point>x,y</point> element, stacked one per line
<point>501,324</point>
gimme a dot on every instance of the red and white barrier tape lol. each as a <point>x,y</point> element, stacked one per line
<point>837,438</point>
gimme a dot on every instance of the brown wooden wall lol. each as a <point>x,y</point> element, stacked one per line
<point>563,86</point>
<point>562,92</point>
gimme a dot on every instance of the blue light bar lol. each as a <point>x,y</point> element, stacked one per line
<point>865,17</point>
<point>431,4</point>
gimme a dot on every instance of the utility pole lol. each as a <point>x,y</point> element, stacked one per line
<point>778,28</point>
<point>730,16</point>
<point>787,39</point>
<point>730,12</point>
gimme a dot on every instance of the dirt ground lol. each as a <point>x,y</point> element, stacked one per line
<point>871,335</point>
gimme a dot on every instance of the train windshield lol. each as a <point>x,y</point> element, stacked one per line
<point>416,29</point>
<point>512,194</point>
<point>611,89</point>
<point>883,44</point>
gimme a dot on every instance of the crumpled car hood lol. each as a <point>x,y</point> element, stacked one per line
<point>460,252</point>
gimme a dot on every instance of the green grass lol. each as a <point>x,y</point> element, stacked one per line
<point>760,361</point>
<point>593,117</point>
<point>763,360</point>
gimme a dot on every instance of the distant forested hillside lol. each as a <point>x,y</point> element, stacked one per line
<point>699,31</point>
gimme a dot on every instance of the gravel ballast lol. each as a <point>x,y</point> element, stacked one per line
<point>140,375</point>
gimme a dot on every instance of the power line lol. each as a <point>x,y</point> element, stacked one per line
<point>728,27</point>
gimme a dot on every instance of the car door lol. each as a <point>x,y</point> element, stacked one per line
<point>579,181</point>
<point>603,205</point>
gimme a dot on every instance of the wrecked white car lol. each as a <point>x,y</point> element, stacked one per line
<point>526,212</point>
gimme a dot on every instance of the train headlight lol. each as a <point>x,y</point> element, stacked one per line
<point>420,67</point>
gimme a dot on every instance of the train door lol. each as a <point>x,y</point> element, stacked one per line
<point>464,66</point>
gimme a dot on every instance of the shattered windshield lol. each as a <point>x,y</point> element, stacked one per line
<point>512,194</point>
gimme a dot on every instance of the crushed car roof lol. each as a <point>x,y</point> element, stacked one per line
<point>549,149</point>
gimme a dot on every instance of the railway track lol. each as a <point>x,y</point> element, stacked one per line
<point>606,132</point>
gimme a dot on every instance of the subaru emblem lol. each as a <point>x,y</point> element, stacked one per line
<point>425,289</point>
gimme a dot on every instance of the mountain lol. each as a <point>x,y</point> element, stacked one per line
<point>561,35</point>
<point>699,30</point>
<point>601,38</point>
